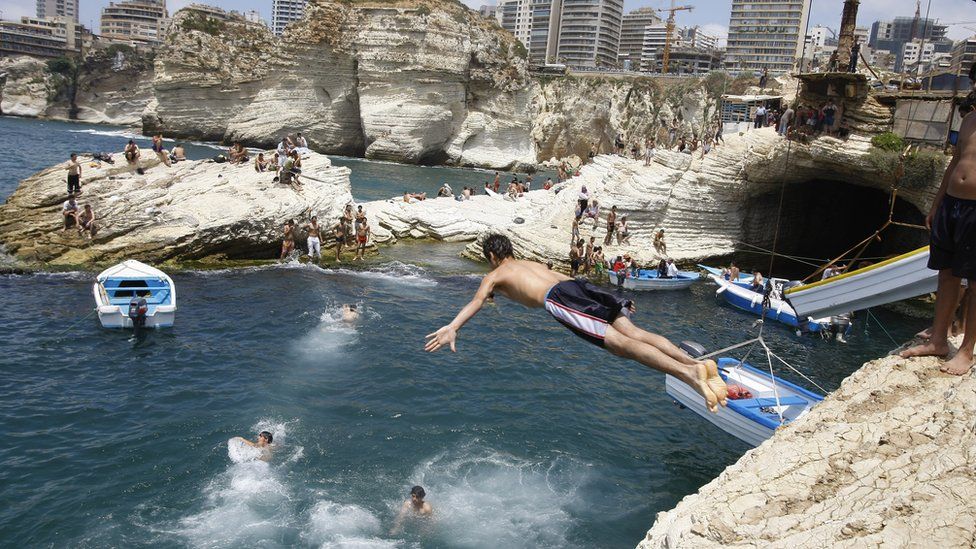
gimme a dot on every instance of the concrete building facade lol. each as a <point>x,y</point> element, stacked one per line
<point>49,9</point>
<point>582,33</point>
<point>134,21</point>
<point>766,35</point>
<point>632,36</point>
<point>285,12</point>
<point>893,35</point>
<point>38,37</point>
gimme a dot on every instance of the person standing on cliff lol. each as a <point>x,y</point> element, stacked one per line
<point>362,238</point>
<point>611,225</point>
<point>855,51</point>
<point>497,183</point>
<point>288,242</point>
<point>784,120</point>
<point>74,175</point>
<point>314,244</point>
<point>952,245</point>
<point>592,314</point>
<point>339,232</point>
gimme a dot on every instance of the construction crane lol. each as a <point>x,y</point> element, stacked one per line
<point>668,30</point>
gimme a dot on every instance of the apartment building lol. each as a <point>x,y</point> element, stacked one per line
<point>766,34</point>
<point>38,37</point>
<point>893,36</point>
<point>49,9</point>
<point>632,36</point>
<point>285,12</point>
<point>140,21</point>
<point>575,32</point>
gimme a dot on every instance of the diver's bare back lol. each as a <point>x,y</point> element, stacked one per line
<point>526,282</point>
<point>962,180</point>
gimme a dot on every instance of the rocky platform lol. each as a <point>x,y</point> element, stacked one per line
<point>886,460</point>
<point>194,210</point>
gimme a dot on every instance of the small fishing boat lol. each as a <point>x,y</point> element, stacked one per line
<point>741,295</point>
<point>743,277</point>
<point>134,295</point>
<point>647,279</point>
<point>895,279</point>
<point>767,402</point>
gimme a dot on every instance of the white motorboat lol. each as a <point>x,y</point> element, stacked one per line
<point>774,402</point>
<point>898,278</point>
<point>743,296</point>
<point>133,294</point>
<point>649,280</point>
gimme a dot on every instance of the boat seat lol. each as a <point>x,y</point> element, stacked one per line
<point>766,402</point>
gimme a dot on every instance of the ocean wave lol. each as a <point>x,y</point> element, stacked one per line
<point>395,271</point>
<point>125,134</point>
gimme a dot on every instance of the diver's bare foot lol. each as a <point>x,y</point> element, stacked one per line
<point>716,383</point>
<point>701,383</point>
<point>925,334</point>
<point>959,365</point>
<point>926,349</point>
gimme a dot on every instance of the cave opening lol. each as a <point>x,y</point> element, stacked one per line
<point>822,219</point>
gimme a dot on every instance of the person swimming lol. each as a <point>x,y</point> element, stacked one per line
<point>415,506</point>
<point>349,313</point>
<point>263,444</point>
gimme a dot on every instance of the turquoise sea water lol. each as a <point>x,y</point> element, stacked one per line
<point>527,437</point>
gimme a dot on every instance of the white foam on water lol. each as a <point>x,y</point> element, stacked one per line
<point>127,134</point>
<point>331,333</point>
<point>485,498</point>
<point>249,503</point>
<point>395,271</point>
<point>346,526</point>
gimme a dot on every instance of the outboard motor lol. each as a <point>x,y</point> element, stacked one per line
<point>137,312</point>
<point>840,326</point>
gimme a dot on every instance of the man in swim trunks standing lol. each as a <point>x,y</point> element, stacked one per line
<point>314,244</point>
<point>339,232</point>
<point>362,237</point>
<point>288,243</point>
<point>952,248</point>
<point>74,175</point>
<point>592,314</point>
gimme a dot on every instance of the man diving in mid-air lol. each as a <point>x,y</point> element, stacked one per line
<point>589,312</point>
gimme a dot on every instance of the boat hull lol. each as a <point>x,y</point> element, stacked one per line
<point>683,282</point>
<point>117,286</point>
<point>779,310</point>
<point>899,278</point>
<point>112,316</point>
<point>742,419</point>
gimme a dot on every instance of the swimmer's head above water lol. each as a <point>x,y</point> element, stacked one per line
<point>265,438</point>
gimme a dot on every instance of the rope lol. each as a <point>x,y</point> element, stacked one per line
<point>880,325</point>
<point>77,322</point>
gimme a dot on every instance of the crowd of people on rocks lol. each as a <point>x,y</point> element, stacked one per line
<point>351,231</point>
<point>803,121</point>
<point>588,256</point>
<point>671,137</point>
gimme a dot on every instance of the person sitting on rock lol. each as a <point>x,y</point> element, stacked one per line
<point>131,153</point>
<point>178,154</point>
<point>70,212</point>
<point>260,164</point>
<point>446,190</point>
<point>410,197</point>
<point>593,212</point>
<point>659,244</point>
<point>237,154</point>
<point>86,222</point>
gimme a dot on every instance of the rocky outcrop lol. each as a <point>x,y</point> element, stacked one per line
<point>886,460</point>
<point>113,87</point>
<point>195,210</point>
<point>23,86</point>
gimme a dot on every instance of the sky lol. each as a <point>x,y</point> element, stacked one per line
<point>712,15</point>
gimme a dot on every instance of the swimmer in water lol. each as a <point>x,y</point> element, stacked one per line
<point>349,313</point>
<point>262,443</point>
<point>415,506</point>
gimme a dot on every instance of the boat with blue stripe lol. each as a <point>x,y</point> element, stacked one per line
<point>650,279</point>
<point>772,402</point>
<point>133,294</point>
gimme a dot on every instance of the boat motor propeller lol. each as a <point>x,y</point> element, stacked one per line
<point>137,312</point>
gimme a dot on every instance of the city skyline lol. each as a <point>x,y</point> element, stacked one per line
<point>711,15</point>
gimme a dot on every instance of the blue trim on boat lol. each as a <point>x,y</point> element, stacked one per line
<point>748,408</point>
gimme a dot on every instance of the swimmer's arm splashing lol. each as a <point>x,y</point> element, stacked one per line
<point>448,334</point>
